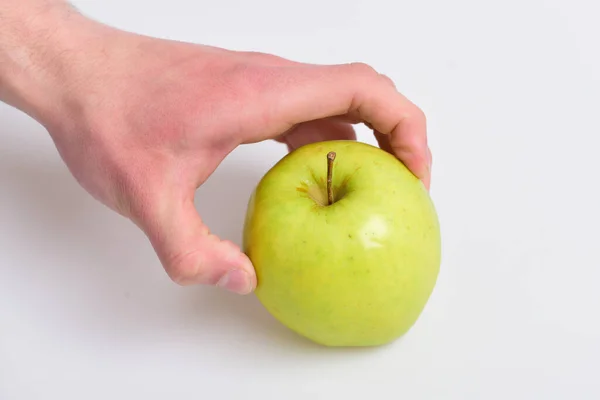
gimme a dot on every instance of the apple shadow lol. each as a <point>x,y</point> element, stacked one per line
<point>101,276</point>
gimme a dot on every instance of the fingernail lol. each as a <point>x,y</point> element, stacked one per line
<point>236,281</point>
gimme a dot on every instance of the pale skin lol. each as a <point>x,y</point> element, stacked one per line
<point>142,122</point>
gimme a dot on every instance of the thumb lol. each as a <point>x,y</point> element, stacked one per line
<point>190,254</point>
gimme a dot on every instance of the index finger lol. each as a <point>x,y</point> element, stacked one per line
<point>357,92</point>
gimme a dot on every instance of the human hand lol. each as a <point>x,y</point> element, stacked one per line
<point>143,122</point>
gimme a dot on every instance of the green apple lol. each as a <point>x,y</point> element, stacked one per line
<point>356,272</point>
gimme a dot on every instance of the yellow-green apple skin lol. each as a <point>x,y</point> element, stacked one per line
<point>358,272</point>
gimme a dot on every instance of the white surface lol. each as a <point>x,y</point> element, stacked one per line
<point>512,92</point>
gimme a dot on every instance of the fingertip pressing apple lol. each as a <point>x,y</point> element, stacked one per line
<point>357,93</point>
<point>239,280</point>
<point>211,261</point>
<point>401,129</point>
<point>191,254</point>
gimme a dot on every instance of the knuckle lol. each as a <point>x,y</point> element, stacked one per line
<point>420,114</point>
<point>184,269</point>
<point>262,57</point>
<point>254,86</point>
<point>362,68</point>
<point>254,54</point>
<point>415,113</point>
<point>388,80</point>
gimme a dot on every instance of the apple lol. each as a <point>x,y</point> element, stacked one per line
<point>346,244</point>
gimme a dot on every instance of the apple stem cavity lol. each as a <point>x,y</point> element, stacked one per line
<point>330,159</point>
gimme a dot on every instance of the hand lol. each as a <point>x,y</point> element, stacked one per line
<point>143,122</point>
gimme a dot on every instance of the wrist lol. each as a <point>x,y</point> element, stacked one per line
<point>41,48</point>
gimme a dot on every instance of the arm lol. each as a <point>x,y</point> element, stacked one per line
<point>34,38</point>
<point>143,122</point>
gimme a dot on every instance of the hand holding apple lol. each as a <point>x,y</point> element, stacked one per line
<point>143,122</point>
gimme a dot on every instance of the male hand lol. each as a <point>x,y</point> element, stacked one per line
<point>143,122</point>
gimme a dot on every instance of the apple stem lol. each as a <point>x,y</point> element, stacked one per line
<point>330,159</point>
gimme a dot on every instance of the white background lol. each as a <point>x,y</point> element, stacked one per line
<point>512,92</point>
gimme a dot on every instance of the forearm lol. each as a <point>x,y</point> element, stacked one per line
<point>39,47</point>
